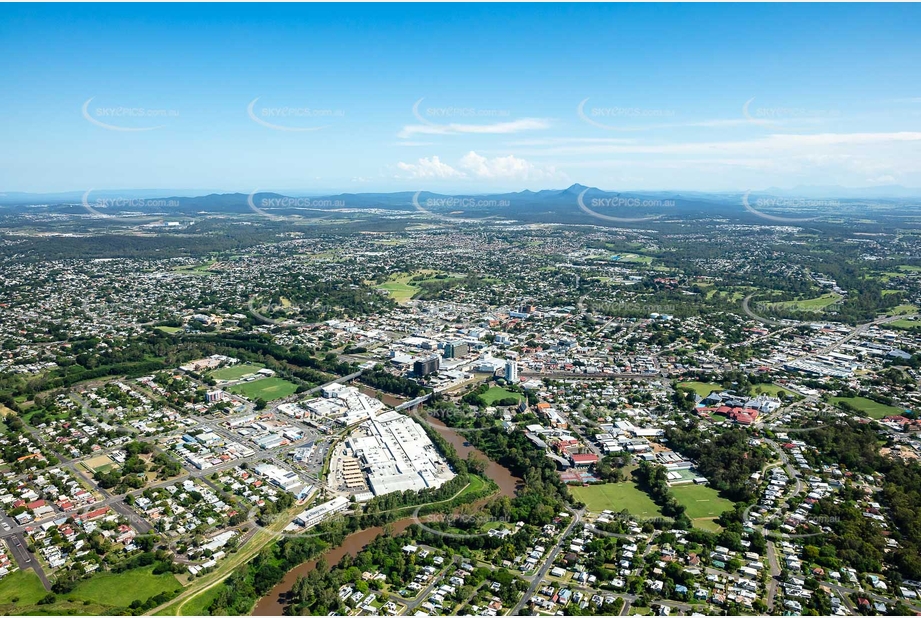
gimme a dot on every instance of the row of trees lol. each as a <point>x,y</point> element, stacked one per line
<point>653,479</point>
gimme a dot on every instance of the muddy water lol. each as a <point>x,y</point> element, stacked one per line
<point>504,479</point>
<point>388,399</point>
<point>273,604</point>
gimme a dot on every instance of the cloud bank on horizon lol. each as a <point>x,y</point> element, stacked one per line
<point>461,98</point>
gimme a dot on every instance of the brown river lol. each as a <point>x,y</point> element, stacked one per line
<point>273,604</point>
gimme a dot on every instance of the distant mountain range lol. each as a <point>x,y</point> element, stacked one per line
<point>575,204</point>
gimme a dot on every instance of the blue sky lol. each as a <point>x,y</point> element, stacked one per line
<point>469,98</point>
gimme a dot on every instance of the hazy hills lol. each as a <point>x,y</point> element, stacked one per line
<point>574,204</point>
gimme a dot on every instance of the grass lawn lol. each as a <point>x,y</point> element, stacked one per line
<point>905,324</point>
<point>702,504</point>
<point>632,258</point>
<point>400,287</point>
<point>902,310</point>
<point>400,291</point>
<point>97,463</point>
<point>617,497</point>
<point>198,605</point>
<point>201,269</point>
<point>809,304</point>
<point>735,295</point>
<point>22,584</point>
<point>772,389</point>
<point>97,595</point>
<point>706,523</point>
<point>476,484</point>
<point>194,272</point>
<point>121,589</point>
<point>169,329</point>
<point>869,407</point>
<point>265,388</point>
<point>235,372</point>
<point>325,255</point>
<point>495,393</point>
<point>701,388</point>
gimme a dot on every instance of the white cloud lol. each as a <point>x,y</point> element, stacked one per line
<point>473,165</point>
<point>505,168</point>
<point>430,168</point>
<point>500,128</point>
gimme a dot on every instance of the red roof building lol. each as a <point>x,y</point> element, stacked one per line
<point>583,459</point>
<point>93,514</point>
<point>742,417</point>
<point>562,445</point>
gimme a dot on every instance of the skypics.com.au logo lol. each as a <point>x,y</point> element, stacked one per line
<point>817,524</point>
<point>292,119</point>
<point>605,117</point>
<point>787,115</point>
<point>123,203</point>
<point>623,203</point>
<point>773,116</point>
<point>464,202</point>
<point>821,207</point>
<point>126,119</point>
<point>458,524</point>
<point>290,203</point>
<point>466,113</point>
<point>459,120</point>
<point>457,205</point>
